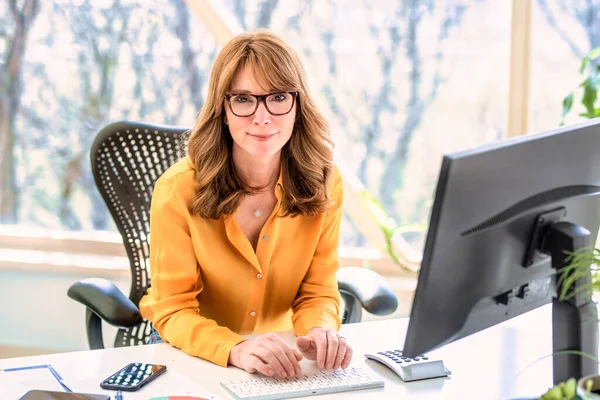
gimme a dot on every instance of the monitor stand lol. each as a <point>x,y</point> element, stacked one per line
<point>574,319</point>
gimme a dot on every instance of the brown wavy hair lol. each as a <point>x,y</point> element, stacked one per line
<point>306,159</point>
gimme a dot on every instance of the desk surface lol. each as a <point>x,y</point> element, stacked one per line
<point>493,364</point>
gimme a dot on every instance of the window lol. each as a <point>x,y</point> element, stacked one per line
<point>86,64</point>
<point>402,84</point>
<point>563,32</point>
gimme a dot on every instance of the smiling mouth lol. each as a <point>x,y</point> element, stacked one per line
<point>263,136</point>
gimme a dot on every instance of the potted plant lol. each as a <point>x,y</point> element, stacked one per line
<point>588,387</point>
<point>589,99</point>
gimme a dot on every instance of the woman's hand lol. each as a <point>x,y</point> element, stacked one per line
<point>327,347</point>
<point>267,354</point>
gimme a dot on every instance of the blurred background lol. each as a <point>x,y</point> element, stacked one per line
<point>402,82</point>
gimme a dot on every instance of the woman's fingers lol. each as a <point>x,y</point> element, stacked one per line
<point>320,340</point>
<point>332,348</point>
<point>341,352</point>
<point>282,358</point>
<point>347,357</point>
<point>274,352</point>
<point>257,365</point>
<point>270,355</point>
<point>291,356</point>
<point>266,355</point>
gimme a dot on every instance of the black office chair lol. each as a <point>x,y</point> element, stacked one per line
<point>127,159</point>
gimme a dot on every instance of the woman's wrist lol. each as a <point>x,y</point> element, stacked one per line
<point>314,327</point>
<point>234,354</point>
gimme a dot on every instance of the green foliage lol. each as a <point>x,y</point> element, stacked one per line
<point>577,267</point>
<point>388,226</point>
<point>581,261</point>
<point>590,86</point>
<point>563,391</point>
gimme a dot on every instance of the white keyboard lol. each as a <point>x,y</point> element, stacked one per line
<point>267,388</point>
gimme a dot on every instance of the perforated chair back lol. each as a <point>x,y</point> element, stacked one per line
<point>127,159</point>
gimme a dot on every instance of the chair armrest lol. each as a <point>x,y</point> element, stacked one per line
<point>107,301</point>
<point>370,288</point>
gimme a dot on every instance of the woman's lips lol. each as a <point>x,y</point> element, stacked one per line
<point>262,137</point>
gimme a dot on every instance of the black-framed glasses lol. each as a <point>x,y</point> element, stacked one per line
<point>245,105</point>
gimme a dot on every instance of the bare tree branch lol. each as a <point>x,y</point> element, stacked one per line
<point>414,11</point>
<point>453,15</point>
<point>10,101</point>
<point>239,8</point>
<point>545,9</point>
<point>265,12</point>
<point>382,101</point>
<point>194,77</point>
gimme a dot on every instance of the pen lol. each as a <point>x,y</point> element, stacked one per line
<point>119,395</point>
<point>59,378</point>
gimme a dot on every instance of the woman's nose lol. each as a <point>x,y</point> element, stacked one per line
<point>262,116</point>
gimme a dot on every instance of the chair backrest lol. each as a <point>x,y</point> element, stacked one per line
<point>127,159</point>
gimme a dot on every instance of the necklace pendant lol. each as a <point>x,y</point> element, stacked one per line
<point>257,213</point>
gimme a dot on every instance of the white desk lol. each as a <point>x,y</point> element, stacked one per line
<point>486,365</point>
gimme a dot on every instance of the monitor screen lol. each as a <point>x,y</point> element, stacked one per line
<point>495,240</point>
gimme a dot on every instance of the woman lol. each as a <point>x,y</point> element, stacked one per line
<point>244,231</point>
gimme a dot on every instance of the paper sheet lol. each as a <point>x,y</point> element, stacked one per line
<point>170,384</point>
<point>14,384</point>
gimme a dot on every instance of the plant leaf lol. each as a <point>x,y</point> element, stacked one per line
<point>376,210</point>
<point>595,53</point>
<point>567,104</point>
<point>558,353</point>
<point>590,93</point>
<point>409,228</point>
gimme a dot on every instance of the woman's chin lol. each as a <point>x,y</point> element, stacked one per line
<point>265,152</point>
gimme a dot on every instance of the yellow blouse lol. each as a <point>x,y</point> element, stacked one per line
<point>209,286</point>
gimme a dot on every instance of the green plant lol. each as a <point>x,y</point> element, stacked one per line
<point>389,227</point>
<point>577,266</point>
<point>589,99</point>
<point>563,391</point>
<point>578,262</point>
<point>567,391</point>
<point>590,86</point>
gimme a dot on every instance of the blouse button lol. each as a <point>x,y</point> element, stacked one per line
<point>252,313</point>
<point>265,237</point>
<point>258,276</point>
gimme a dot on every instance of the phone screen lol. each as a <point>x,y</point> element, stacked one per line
<point>133,376</point>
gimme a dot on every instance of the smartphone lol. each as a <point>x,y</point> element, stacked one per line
<point>47,395</point>
<point>133,376</point>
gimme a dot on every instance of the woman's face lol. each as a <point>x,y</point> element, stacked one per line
<point>262,134</point>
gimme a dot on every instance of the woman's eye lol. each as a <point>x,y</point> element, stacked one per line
<point>241,99</point>
<point>279,97</point>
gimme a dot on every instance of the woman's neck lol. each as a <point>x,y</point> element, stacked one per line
<point>257,172</point>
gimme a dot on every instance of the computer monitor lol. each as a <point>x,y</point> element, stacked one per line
<point>504,218</point>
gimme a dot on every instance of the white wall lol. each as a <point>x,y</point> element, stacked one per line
<point>37,316</point>
<point>35,311</point>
